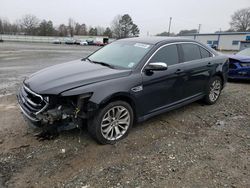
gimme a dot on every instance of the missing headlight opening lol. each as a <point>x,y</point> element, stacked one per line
<point>69,114</point>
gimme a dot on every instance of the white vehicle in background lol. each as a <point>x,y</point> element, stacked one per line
<point>57,41</point>
<point>84,43</point>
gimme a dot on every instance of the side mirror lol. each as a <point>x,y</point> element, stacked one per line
<point>156,66</point>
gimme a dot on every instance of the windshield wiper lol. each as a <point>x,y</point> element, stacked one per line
<point>99,62</point>
<point>102,63</point>
<point>86,58</point>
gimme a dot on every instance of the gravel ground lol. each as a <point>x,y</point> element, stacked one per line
<point>194,146</point>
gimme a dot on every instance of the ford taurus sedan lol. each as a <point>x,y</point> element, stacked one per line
<point>127,81</point>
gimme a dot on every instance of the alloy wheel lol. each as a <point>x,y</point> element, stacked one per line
<point>115,123</point>
<point>215,90</point>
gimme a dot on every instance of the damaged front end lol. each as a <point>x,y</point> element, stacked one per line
<point>52,112</point>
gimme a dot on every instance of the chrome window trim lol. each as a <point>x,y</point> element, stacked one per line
<point>175,43</point>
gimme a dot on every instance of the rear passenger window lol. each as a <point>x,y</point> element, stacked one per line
<point>204,53</point>
<point>191,52</point>
<point>167,54</point>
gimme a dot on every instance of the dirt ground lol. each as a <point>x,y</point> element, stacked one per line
<point>194,146</point>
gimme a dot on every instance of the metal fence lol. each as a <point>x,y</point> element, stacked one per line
<point>46,39</point>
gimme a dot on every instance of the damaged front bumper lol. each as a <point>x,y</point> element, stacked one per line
<point>64,113</point>
<point>40,113</point>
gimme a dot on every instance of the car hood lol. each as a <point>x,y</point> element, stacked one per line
<point>240,58</point>
<point>66,76</point>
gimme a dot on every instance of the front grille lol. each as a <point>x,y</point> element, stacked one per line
<point>31,102</point>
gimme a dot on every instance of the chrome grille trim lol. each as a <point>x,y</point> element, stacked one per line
<point>33,106</point>
<point>44,108</point>
<point>32,92</point>
<point>27,115</point>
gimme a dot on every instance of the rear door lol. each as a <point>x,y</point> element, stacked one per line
<point>198,65</point>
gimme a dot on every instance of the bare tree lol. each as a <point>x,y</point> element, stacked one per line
<point>29,23</point>
<point>7,27</point>
<point>71,27</point>
<point>62,30</point>
<point>116,27</point>
<point>100,30</point>
<point>241,20</point>
<point>77,29</point>
<point>1,26</point>
<point>80,29</point>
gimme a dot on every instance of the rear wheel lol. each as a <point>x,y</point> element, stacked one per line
<point>213,90</point>
<point>112,123</point>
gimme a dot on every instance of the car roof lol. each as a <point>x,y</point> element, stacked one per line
<point>155,40</point>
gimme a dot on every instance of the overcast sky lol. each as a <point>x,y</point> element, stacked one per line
<point>150,15</point>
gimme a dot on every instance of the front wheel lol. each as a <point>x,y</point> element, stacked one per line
<point>112,123</point>
<point>213,90</point>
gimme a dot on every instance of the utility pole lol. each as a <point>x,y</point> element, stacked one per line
<point>199,28</point>
<point>169,26</point>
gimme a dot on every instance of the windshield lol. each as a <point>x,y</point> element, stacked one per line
<point>245,52</point>
<point>121,53</point>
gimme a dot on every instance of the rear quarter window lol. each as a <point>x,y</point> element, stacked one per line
<point>191,52</point>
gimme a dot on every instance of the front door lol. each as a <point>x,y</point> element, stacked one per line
<point>163,88</point>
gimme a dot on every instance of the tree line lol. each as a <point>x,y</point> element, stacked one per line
<point>121,27</point>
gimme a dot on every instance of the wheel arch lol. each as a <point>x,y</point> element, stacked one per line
<point>120,97</point>
<point>220,74</point>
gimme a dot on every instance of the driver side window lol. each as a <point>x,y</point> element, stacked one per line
<point>167,54</point>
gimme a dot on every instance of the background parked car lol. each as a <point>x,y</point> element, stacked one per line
<point>83,43</point>
<point>99,43</point>
<point>77,42</point>
<point>90,42</point>
<point>57,41</point>
<point>239,66</point>
<point>69,41</point>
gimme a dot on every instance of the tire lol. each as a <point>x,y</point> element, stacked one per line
<point>105,126</point>
<point>213,90</point>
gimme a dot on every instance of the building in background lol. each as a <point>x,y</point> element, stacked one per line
<point>224,40</point>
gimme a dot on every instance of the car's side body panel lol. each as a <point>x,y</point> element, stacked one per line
<point>161,91</point>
